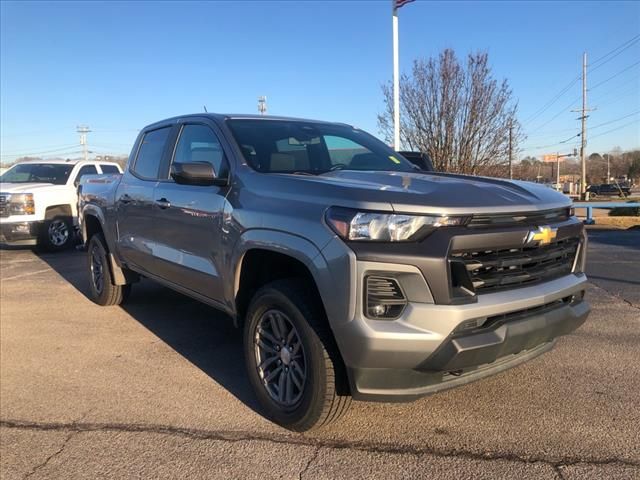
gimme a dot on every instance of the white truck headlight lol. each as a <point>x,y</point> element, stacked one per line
<point>386,227</point>
<point>22,204</point>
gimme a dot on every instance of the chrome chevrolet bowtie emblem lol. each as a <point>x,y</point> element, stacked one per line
<point>542,236</point>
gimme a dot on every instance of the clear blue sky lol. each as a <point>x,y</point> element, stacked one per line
<point>117,66</point>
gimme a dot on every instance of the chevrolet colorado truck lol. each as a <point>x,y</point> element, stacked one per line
<point>38,201</point>
<point>352,273</point>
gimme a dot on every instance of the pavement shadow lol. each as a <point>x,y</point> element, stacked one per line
<point>612,279</point>
<point>203,335</point>
<point>619,238</point>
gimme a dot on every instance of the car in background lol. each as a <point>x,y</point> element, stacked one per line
<point>419,159</point>
<point>38,201</point>
<point>608,190</point>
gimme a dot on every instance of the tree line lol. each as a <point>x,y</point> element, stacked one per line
<point>465,119</point>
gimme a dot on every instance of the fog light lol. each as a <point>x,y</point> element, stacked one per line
<point>377,310</point>
<point>22,228</point>
<point>384,298</point>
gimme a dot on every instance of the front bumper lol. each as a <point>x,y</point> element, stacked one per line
<point>428,349</point>
<point>20,233</point>
<point>447,335</point>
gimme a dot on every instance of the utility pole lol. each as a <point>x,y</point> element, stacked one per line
<point>262,105</point>
<point>557,169</point>
<point>583,134</point>
<point>608,168</point>
<point>511,150</point>
<point>83,130</point>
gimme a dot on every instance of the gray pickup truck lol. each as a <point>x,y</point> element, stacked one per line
<point>351,272</point>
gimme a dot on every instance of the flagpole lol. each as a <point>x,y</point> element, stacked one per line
<point>396,81</point>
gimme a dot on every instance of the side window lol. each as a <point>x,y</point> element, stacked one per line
<point>149,156</point>
<point>343,150</point>
<point>86,170</point>
<point>198,143</point>
<point>109,169</point>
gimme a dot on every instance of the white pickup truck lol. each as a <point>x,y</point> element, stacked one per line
<point>38,201</point>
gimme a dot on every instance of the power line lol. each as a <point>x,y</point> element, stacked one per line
<point>616,90</point>
<point>27,134</point>
<point>564,110</point>
<point>557,97</point>
<point>40,152</point>
<point>554,144</point>
<point>615,129</point>
<point>616,120</point>
<point>616,51</point>
<point>614,76</point>
<point>551,133</point>
<point>44,147</point>
<point>596,64</point>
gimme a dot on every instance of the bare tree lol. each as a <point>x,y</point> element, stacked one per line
<point>459,115</point>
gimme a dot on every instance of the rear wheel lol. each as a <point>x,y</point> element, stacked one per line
<point>292,361</point>
<point>103,291</point>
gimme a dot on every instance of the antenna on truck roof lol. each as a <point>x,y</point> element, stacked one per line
<point>205,109</point>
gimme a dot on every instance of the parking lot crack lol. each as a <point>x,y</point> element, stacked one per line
<point>307,440</point>
<point>614,294</point>
<point>558,471</point>
<point>52,456</point>
<point>312,459</point>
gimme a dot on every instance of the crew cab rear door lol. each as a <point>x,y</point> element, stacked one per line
<point>188,218</point>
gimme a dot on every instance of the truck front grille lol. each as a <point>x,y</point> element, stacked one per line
<point>525,218</point>
<point>4,205</point>
<point>502,269</point>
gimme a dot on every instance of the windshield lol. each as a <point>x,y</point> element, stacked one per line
<point>56,173</point>
<point>290,146</point>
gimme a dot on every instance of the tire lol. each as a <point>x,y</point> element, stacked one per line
<point>103,291</point>
<point>315,390</point>
<point>57,234</point>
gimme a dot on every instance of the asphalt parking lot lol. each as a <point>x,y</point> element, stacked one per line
<point>156,389</point>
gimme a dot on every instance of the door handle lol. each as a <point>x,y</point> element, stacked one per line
<point>126,199</point>
<point>163,203</point>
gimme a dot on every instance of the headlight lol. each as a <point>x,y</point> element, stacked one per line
<point>22,204</point>
<point>385,227</point>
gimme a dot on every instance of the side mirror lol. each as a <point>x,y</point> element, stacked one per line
<point>196,173</point>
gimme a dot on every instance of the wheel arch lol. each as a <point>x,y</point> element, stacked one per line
<point>266,255</point>
<point>93,222</point>
<point>53,211</point>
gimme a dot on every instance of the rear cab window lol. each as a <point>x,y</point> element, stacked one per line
<point>150,153</point>
<point>109,169</point>
<point>85,170</point>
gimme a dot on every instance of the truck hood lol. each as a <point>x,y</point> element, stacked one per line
<point>437,193</point>
<point>25,187</point>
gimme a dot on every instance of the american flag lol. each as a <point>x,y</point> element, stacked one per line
<point>400,3</point>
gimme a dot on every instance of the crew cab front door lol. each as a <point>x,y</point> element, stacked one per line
<point>188,218</point>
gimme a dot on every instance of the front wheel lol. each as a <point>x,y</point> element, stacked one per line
<point>292,360</point>
<point>103,291</point>
<point>57,234</point>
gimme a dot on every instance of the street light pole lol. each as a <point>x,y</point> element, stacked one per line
<point>396,82</point>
